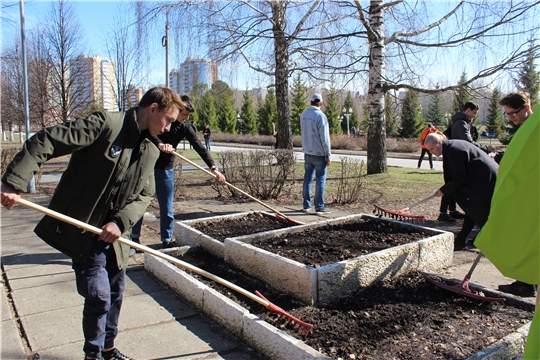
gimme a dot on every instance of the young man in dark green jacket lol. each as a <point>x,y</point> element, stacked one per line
<point>108,183</point>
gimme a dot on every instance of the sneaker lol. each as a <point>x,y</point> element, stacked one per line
<point>446,218</point>
<point>519,288</point>
<point>322,211</point>
<point>457,214</point>
<point>307,210</point>
<point>167,244</point>
<point>114,354</point>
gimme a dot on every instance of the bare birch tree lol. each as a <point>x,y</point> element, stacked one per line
<point>487,36</point>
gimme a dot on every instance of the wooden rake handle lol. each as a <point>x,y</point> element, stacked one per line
<point>230,185</point>
<point>144,248</point>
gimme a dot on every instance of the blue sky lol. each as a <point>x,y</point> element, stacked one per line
<point>96,18</point>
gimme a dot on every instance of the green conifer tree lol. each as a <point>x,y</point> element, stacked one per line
<point>462,95</point>
<point>529,79</point>
<point>436,113</point>
<point>247,115</point>
<point>298,104</point>
<point>494,118</point>
<point>268,113</point>
<point>412,122</point>
<point>207,111</point>
<point>227,114</point>
<point>332,111</point>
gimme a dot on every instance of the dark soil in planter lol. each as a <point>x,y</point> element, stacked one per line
<point>333,243</point>
<point>404,318</point>
<point>248,224</point>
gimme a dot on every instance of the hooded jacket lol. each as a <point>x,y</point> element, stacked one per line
<point>109,177</point>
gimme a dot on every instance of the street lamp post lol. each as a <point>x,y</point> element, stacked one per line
<point>347,114</point>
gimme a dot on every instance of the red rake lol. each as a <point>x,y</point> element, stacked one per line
<point>279,215</point>
<point>401,214</point>
<point>301,325</point>
<point>463,287</point>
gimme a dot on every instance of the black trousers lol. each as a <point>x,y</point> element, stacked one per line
<point>448,203</point>
<point>430,157</point>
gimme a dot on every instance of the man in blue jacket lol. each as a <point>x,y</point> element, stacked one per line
<point>108,183</point>
<point>317,154</point>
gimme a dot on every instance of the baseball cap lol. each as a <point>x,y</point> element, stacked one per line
<point>316,98</point>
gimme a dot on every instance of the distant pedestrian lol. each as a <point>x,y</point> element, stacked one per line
<point>430,129</point>
<point>206,133</point>
<point>317,153</point>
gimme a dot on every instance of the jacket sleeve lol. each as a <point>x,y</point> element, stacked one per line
<point>324,135</point>
<point>191,136</point>
<point>50,143</point>
<point>456,172</point>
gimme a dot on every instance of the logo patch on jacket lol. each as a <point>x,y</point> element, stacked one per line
<point>116,151</point>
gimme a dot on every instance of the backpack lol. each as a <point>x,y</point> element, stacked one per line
<point>448,132</point>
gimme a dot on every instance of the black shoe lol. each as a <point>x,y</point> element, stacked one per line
<point>114,354</point>
<point>460,243</point>
<point>167,245</point>
<point>519,288</point>
<point>446,218</point>
<point>457,215</point>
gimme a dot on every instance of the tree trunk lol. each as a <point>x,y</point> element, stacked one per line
<point>281,75</point>
<point>376,144</point>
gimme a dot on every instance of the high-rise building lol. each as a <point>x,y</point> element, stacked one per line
<point>134,95</point>
<point>193,71</point>
<point>94,81</point>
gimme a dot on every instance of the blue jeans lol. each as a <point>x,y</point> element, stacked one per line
<point>165,196</point>
<point>102,285</point>
<point>207,143</point>
<point>317,165</point>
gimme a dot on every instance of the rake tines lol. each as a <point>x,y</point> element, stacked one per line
<point>398,215</point>
<point>297,324</point>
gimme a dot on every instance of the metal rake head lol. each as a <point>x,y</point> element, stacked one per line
<point>398,215</point>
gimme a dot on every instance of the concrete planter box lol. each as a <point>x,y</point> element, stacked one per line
<point>277,344</point>
<point>185,232</point>
<point>330,282</point>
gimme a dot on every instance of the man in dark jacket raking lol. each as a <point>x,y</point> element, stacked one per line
<point>164,170</point>
<point>108,183</point>
<point>464,129</point>
<point>469,176</point>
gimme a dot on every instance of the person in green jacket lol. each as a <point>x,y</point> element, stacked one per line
<point>108,183</point>
<point>510,239</point>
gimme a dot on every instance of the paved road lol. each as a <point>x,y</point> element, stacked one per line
<point>400,160</point>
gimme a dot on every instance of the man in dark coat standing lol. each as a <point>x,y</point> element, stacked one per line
<point>469,176</point>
